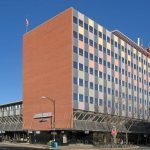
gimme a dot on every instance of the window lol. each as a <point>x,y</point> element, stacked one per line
<point>122,60</point>
<point>123,107</point>
<point>86,84</point>
<point>86,69</point>
<point>119,58</point>
<point>119,46</point>
<point>91,29</point>
<point>91,100</point>
<point>108,77</point>
<point>116,80</point>
<point>116,56</point>
<point>100,61</point>
<point>91,56</point>
<point>100,34</point>
<point>75,65</point>
<point>75,20</point>
<point>100,47</point>
<point>112,66</point>
<point>75,96</point>
<point>100,102</point>
<point>116,105</point>
<point>80,52</point>
<point>104,62</point>
<point>96,87</point>
<point>116,44</point>
<point>104,37</point>
<point>86,40</point>
<point>80,37</point>
<point>95,45</point>
<point>96,101</point>
<point>91,42</point>
<point>112,42</point>
<point>108,64</point>
<point>112,54</point>
<point>75,34</point>
<point>128,52</point>
<point>86,54</point>
<point>122,71</point>
<point>108,39</point>
<point>128,63</point>
<point>75,80</point>
<point>96,59</point>
<point>109,104</point>
<point>116,93</point>
<point>96,73</point>
<point>100,88</point>
<point>81,82</point>
<point>81,67</point>
<point>75,49</point>
<point>109,91</point>
<point>80,23</point>
<point>81,97</point>
<point>91,85</point>
<point>105,91</point>
<point>100,74</point>
<point>86,26</point>
<point>95,32</point>
<point>116,68</point>
<point>112,91</point>
<point>91,71</point>
<point>104,50</point>
<point>86,99</point>
<point>108,52</point>
<point>129,108</point>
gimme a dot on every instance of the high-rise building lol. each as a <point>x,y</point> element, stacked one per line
<point>86,69</point>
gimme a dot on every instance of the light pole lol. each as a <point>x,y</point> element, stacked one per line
<point>53,101</point>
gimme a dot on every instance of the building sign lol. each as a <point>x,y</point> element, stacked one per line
<point>37,132</point>
<point>29,132</point>
<point>86,132</point>
<point>43,115</point>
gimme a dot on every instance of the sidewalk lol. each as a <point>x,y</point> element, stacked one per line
<point>39,146</point>
<point>68,147</point>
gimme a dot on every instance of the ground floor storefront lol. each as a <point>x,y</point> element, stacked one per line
<point>64,137</point>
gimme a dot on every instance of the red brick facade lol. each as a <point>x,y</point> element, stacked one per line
<point>47,71</point>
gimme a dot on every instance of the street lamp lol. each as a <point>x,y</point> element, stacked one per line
<point>53,101</point>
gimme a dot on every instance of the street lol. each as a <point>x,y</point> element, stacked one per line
<point>23,146</point>
<point>144,148</point>
<point>18,148</point>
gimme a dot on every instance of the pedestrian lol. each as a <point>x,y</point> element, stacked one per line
<point>121,142</point>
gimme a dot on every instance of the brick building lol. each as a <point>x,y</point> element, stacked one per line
<point>97,78</point>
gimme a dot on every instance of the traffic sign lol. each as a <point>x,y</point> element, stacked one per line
<point>114,132</point>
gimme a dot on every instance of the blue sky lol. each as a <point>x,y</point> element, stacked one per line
<point>132,17</point>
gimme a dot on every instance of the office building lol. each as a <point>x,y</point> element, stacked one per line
<point>95,76</point>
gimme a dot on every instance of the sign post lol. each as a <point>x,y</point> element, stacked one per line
<point>114,133</point>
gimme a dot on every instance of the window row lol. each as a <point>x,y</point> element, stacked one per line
<point>99,74</point>
<point>100,102</point>
<point>97,59</point>
<point>95,45</point>
<point>100,88</point>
